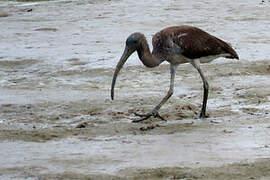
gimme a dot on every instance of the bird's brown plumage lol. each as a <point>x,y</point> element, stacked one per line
<point>194,42</point>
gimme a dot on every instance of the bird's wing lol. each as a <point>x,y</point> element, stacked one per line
<point>197,43</point>
<point>191,42</point>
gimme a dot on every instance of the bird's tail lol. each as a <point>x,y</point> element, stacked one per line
<point>228,49</point>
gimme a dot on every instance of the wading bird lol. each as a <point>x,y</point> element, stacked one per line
<point>177,45</point>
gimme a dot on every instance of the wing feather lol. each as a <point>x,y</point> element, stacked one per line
<point>191,41</point>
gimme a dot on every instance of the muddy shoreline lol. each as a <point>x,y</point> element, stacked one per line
<point>238,124</point>
<point>57,120</point>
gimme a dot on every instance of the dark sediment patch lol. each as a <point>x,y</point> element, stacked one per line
<point>2,15</point>
<point>23,63</point>
<point>47,29</point>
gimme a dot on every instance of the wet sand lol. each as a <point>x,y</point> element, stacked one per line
<point>57,120</point>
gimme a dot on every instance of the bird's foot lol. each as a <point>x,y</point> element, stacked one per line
<point>154,113</point>
<point>203,116</point>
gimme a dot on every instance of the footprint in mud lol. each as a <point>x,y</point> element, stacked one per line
<point>117,115</point>
<point>186,111</point>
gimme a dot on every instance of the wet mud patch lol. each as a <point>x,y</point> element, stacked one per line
<point>35,113</point>
<point>71,176</point>
<point>255,111</point>
<point>39,135</point>
<point>80,109</point>
<point>32,0</point>
<point>31,172</point>
<point>254,95</point>
<point>81,119</point>
<point>241,68</point>
<point>18,64</point>
<point>94,112</point>
<point>236,171</point>
<point>76,62</point>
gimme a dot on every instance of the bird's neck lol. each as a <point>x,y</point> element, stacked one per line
<point>147,58</point>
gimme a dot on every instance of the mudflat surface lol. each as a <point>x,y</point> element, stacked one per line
<point>56,117</point>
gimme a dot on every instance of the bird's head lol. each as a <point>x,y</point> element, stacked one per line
<point>133,43</point>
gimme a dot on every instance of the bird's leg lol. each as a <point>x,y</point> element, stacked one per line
<point>154,112</point>
<point>196,64</point>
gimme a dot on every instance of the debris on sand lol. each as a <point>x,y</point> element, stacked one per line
<point>227,131</point>
<point>82,125</point>
<point>147,128</point>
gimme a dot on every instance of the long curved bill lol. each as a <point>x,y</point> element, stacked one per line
<point>127,52</point>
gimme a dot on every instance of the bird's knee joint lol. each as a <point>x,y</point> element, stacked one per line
<point>206,85</point>
<point>170,93</point>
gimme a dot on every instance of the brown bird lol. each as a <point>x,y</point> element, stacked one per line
<point>177,45</point>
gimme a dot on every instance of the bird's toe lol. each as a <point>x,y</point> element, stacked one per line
<point>154,113</point>
<point>203,116</point>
